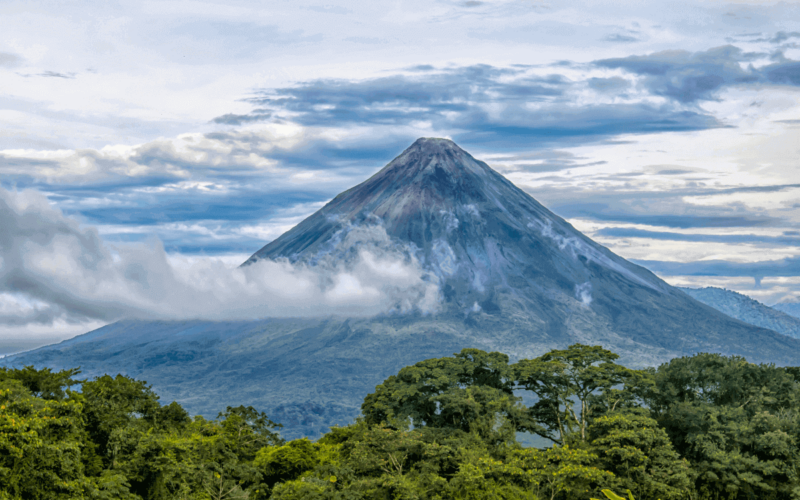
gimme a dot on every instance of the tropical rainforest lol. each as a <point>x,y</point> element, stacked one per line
<point>701,427</point>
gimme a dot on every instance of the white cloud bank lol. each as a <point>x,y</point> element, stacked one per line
<point>52,270</point>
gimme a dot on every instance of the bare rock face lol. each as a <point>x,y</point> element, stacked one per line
<point>511,275</point>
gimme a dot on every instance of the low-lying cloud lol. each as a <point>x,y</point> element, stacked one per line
<point>52,269</point>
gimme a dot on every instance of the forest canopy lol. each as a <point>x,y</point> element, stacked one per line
<point>702,427</point>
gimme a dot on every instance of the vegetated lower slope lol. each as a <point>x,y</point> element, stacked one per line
<point>512,276</point>
<point>745,309</point>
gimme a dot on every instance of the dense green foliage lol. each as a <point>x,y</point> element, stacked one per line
<point>700,427</point>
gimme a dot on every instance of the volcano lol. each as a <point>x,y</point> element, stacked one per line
<point>493,247</point>
<point>510,276</point>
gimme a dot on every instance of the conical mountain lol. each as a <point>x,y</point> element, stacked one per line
<point>501,257</point>
<point>468,223</point>
<point>511,276</point>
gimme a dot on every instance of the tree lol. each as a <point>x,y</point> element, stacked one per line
<point>561,472</point>
<point>40,446</point>
<point>249,430</point>
<point>287,462</point>
<point>115,403</point>
<point>639,453</point>
<point>43,383</point>
<point>582,377</point>
<point>472,391</point>
<point>736,422</point>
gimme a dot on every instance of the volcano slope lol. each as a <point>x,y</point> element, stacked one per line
<point>511,276</point>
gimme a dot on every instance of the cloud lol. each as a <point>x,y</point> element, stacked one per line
<point>538,161</point>
<point>686,76</point>
<point>477,105</point>
<point>201,193</point>
<point>622,38</point>
<point>600,211</point>
<point>256,115</point>
<point>785,72</point>
<point>613,84</point>
<point>583,292</point>
<point>234,40</point>
<point>49,74</point>
<point>783,36</point>
<point>619,232</point>
<point>208,193</point>
<point>783,267</point>
<point>52,269</point>
<point>56,74</point>
<point>9,60</point>
<point>638,198</point>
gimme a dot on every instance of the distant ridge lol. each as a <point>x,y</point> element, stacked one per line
<point>790,308</point>
<point>743,308</point>
<point>511,275</point>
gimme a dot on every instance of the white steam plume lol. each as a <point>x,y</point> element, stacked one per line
<point>583,292</point>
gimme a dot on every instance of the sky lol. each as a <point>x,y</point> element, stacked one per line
<point>148,148</point>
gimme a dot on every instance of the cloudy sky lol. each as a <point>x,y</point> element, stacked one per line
<point>169,140</point>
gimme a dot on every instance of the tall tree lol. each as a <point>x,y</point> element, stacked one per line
<point>472,391</point>
<point>573,385</point>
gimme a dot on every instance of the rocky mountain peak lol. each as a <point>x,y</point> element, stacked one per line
<point>431,171</point>
<point>481,235</point>
<point>430,153</point>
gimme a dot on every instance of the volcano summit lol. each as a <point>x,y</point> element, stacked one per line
<point>499,272</point>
